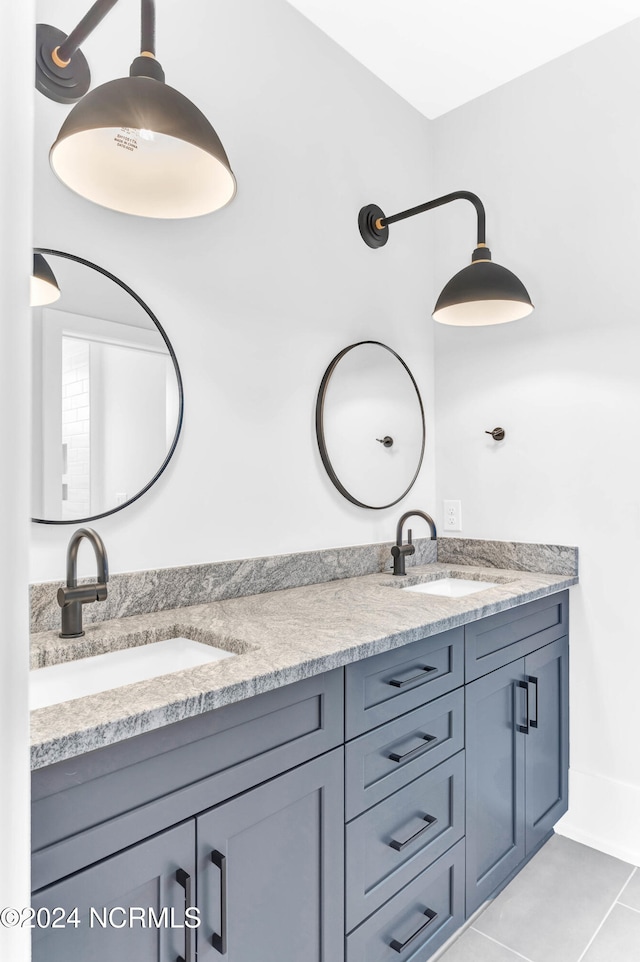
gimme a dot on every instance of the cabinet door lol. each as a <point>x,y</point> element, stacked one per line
<point>547,744</point>
<point>127,893</point>
<point>271,867</point>
<point>495,757</point>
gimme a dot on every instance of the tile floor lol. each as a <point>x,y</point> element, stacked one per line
<point>571,903</point>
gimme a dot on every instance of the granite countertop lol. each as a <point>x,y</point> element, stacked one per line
<point>279,637</point>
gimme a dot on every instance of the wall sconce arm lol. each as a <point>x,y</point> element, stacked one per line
<point>85,28</point>
<point>62,71</point>
<point>374,225</point>
<point>148,28</point>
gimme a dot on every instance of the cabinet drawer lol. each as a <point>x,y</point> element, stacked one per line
<point>385,760</point>
<point>421,917</point>
<point>384,686</point>
<point>398,838</point>
<point>91,806</point>
<point>495,641</point>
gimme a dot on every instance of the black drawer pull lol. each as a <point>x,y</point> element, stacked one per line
<point>429,819</point>
<point>524,728</point>
<point>398,683</point>
<point>219,942</point>
<point>401,946</point>
<point>184,879</point>
<point>394,757</point>
<point>534,681</point>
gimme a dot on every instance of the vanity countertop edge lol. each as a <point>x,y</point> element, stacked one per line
<point>280,637</point>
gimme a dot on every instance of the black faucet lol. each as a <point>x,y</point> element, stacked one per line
<point>400,550</point>
<point>72,598</point>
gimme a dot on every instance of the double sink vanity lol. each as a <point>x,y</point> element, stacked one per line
<point>338,770</point>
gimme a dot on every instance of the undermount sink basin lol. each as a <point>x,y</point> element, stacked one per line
<point>88,676</point>
<point>451,587</point>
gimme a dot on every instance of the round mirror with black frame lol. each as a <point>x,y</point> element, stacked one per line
<point>107,395</point>
<point>370,425</point>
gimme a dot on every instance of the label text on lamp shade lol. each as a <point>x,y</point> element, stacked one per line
<point>125,139</point>
<point>128,137</point>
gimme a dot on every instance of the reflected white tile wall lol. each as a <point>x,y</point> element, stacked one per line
<point>76,428</point>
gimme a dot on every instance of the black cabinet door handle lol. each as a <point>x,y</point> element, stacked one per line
<point>534,681</point>
<point>219,942</point>
<point>524,728</point>
<point>401,946</point>
<point>398,683</point>
<point>394,757</point>
<point>429,819</point>
<point>184,879</point>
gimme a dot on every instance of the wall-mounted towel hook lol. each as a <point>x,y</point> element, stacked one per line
<point>497,434</point>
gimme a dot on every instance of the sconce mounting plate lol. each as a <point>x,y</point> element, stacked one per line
<point>372,236</point>
<point>65,85</point>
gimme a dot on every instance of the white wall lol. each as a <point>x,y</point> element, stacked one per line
<point>16,114</point>
<point>555,155</point>
<point>258,298</point>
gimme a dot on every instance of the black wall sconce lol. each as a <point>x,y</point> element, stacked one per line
<point>134,145</point>
<point>481,293</point>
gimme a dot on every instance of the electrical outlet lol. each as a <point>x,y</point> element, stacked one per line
<point>453,516</point>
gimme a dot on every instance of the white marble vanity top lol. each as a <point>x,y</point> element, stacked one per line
<point>279,637</point>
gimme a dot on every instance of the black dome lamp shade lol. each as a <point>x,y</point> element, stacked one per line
<point>138,146</point>
<point>44,286</point>
<point>480,294</point>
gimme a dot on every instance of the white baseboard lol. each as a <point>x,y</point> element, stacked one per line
<point>603,814</point>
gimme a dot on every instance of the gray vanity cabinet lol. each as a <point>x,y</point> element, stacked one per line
<point>440,765</point>
<point>270,870</point>
<point>154,875</point>
<point>264,870</point>
<point>517,728</point>
<point>260,782</point>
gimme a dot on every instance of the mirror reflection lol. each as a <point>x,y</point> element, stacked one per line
<point>370,425</point>
<point>107,404</point>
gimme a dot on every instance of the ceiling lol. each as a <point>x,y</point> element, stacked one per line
<point>439,54</point>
